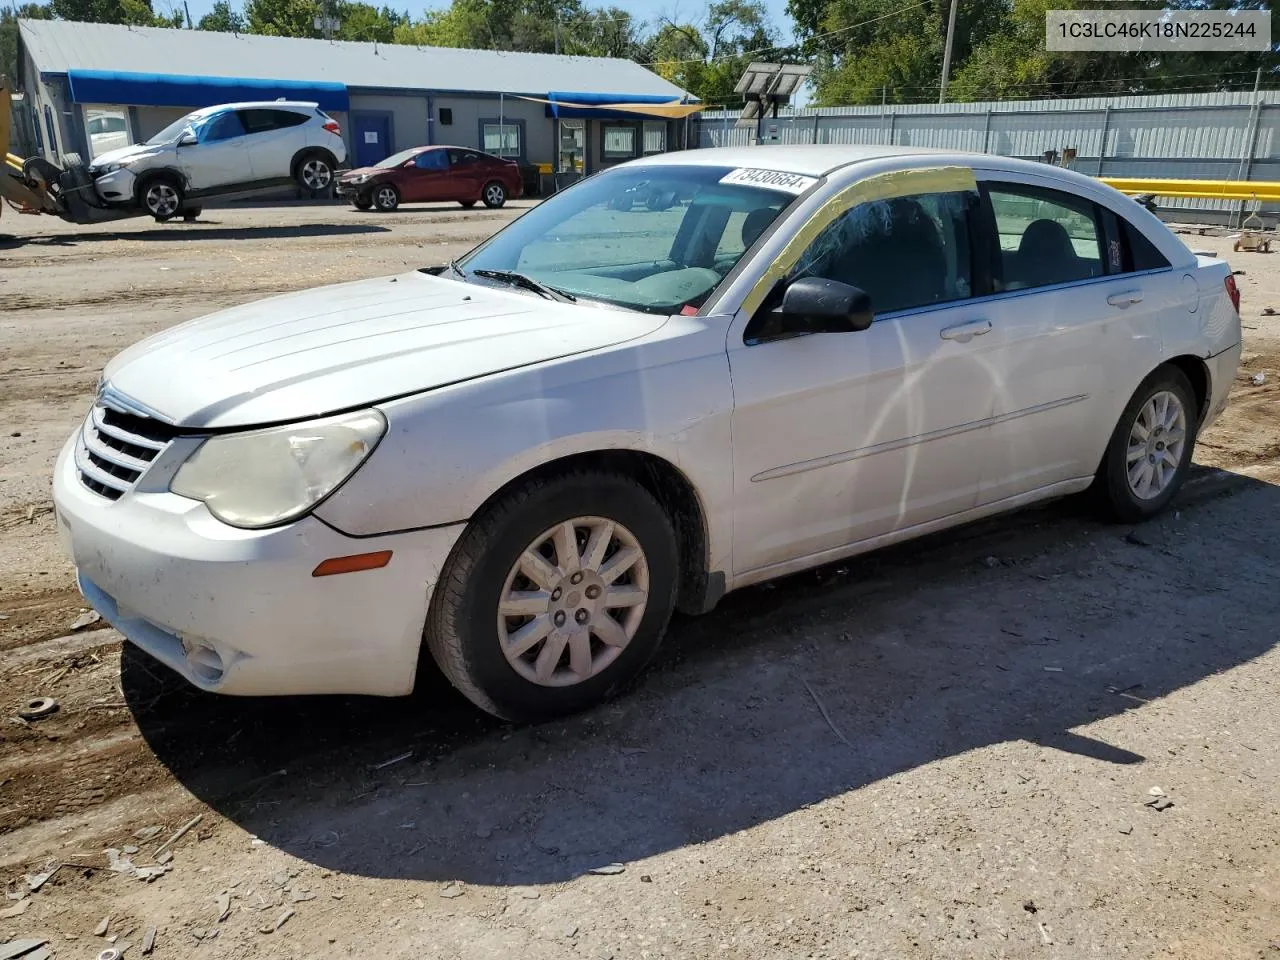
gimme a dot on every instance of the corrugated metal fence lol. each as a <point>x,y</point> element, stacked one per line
<point>1210,135</point>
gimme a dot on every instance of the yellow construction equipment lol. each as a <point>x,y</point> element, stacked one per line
<point>1261,190</point>
<point>27,194</point>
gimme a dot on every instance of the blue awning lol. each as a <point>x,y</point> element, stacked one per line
<point>563,104</point>
<point>176,90</point>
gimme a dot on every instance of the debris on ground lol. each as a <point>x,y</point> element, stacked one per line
<point>1044,935</point>
<point>149,940</point>
<point>394,760</point>
<point>570,931</point>
<point>17,910</point>
<point>608,870</point>
<point>1136,540</point>
<point>1030,906</point>
<point>1258,379</point>
<point>224,906</point>
<point>1155,792</point>
<point>280,921</point>
<point>37,880</point>
<point>1159,804</point>
<point>451,890</point>
<point>181,832</point>
<point>147,833</point>
<point>101,929</point>
<point>86,619</point>
<point>22,948</point>
<point>1127,829</point>
<point>37,708</point>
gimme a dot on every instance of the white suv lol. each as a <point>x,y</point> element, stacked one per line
<point>231,148</point>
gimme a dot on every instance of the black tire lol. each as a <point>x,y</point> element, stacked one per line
<point>161,195</point>
<point>494,194</point>
<point>192,213</point>
<point>468,204</point>
<point>314,172</point>
<point>70,160</point>
<point>1112,485</point>
<point>461,629</point>
<point>362,203</point>
<point>386,197</point>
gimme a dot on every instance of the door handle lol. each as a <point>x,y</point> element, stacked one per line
<point>1124,299</point>
<point>964,332</point>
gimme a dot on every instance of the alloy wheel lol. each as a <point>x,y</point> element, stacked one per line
<point>1157,441</point>
<point>316,174</point>
<point>572,601</point>
<point>495,194</point>
<point>162,200</point>
<point>386,198</point>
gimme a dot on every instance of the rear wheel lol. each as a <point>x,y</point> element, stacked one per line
<point>315,173</point>
<point>1150,450</point>
<point>386,197</point>
<point>494,195</point>
<point>555,596</point>
<point>161,196</point>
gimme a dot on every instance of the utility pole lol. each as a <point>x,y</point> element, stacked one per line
<point>946,55</point>
<point>187,11</point>
<point>1257,81</point>
<point>557,29</point>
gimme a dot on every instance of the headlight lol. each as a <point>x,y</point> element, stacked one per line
<point>360,178</point>
<point>268,477</point>
<point>109,168</point>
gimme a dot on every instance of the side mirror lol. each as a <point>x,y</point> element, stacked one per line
<point>818,305</point>
<point>409,163</point>
<point>187,139</point>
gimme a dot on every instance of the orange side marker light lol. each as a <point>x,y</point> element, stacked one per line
<point>361,561</point>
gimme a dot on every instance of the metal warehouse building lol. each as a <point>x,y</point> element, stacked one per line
<point>93,87</point>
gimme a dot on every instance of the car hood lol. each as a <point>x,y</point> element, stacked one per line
<point>363,172</point>
<point>126,154</point>
<point>334,348</point>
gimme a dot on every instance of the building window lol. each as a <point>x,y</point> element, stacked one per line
<point>502,139</point>
<point>446,116</point>
<point>655,137</point>
<point>619,142</point>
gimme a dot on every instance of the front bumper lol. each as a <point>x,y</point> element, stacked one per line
<point>350,189</point>
<point>116,187</point>
<point>238,611</point>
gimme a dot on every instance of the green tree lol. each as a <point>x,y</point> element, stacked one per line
<point>283,18</point>
<point>707,59</point>
<point>223,18</point>
<point>362,21</point>
<point>134,12</point>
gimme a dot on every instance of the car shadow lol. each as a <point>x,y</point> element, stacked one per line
<point>197,230</point>
<point>1022,628</point>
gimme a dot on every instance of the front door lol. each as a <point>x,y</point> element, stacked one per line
<point>843,437</point>
<point>426,177</point>
<point>218,157</point>
<point>372,135</point>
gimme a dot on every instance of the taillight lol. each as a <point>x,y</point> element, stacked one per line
<point>332,127</point>
<point>1233,291</point>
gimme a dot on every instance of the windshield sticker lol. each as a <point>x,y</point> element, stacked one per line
<point>770,179</point>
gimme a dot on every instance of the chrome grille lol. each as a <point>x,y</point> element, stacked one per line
<point>116,448</point>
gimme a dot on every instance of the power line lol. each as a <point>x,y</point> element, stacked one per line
<point>793,46</point>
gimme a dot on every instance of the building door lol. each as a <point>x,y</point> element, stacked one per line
<point>372,135</point>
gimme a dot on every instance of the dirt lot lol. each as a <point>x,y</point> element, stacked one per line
<point>944,750</point>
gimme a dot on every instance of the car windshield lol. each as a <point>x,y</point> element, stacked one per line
<point>174,130</point>
<point>398,158</point>
<point>651,238</point>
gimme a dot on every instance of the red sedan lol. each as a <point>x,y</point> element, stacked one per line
<point>421,174</point>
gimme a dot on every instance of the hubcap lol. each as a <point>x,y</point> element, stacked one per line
<point>316,174</point>
<point>386,197</point>
<point>573,601</point>
<point>162,199</point>
<point>495,194</point>
<point>1156,444</point>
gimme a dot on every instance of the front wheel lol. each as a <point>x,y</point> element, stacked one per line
<point>386,197</point>
<point>1150,450</point>
<point>494,195</point>
<point>467,204</point>
<point>191,214</point>
<point>161,197</point>
<point>362,203</point>
<point>555,596</point>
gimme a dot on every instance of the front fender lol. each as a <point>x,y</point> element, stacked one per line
<point>447,451</point>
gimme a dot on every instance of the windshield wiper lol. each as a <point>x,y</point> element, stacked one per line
<point>527,283</point>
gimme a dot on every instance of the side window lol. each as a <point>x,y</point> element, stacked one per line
<point>432,160</point>
<point>904,252</point>
<point>224,126</point>
<point>286,118</point>
<point>1046,237</point>
<point>259,120</point>
<point>462,158</point>
<point>1142,254</point>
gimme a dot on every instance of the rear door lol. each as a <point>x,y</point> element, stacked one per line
<point>218,158</point>
<point>272,137</point>
<point>1075,333</point>
<point>466,174</point>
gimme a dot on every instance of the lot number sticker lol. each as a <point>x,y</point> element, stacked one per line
<point>770,179</point>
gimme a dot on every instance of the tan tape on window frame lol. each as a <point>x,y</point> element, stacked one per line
<point>884,186</point>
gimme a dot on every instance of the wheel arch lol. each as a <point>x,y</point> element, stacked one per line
<point>1197,371</point>
<point>699,588</point>
<point>312,151</point>
<point>147,176</point>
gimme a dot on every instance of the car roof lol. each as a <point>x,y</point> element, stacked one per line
<point>821,159</point>
<point>307,105</point>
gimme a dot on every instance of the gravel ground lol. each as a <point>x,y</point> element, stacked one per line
<point>948,749</point>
